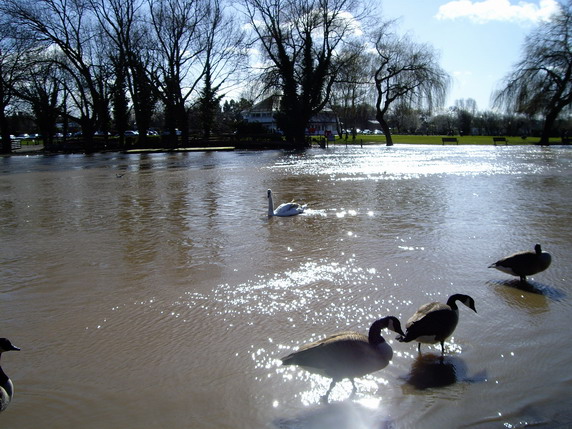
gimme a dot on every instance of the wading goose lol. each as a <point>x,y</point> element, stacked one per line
<point>434,322</point>
<point>6,386</point>
<point>347,354</point>
<point>286,209</point>
<point>524,264</point>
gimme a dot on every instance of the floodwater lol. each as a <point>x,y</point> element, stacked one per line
<point>152,290</point>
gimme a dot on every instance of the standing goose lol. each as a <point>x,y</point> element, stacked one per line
<point>524,264</point>
<point>435,322</point>
<point>6,386</point>
<point>286,209</point>
<point>347,354</point>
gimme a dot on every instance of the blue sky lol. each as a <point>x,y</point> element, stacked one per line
<point>478,40</point>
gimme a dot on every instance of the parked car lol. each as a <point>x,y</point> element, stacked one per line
<point>131,133</point>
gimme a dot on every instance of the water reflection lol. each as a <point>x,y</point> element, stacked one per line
<point>433,371</point>
<point>531,296</point>
<point>339,415</point>
<point>179,274</point>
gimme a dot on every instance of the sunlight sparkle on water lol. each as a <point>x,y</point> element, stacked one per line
<point>397,162</point>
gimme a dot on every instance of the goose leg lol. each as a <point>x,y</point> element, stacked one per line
<point>419,348</point>
<point>353,387</point>
<point>327,394</point>
<point>442,348</point>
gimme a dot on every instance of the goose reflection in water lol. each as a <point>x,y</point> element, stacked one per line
<point>533,301</point>
<point>532,287</point>
<point>430,370</point>
<point>338,415</point>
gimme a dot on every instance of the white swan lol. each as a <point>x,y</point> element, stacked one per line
<point>286,209</point>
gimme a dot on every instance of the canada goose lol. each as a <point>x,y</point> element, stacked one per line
<point>435,322</point>
<point>524,264</point>
<point>347,354</point>
<point>6,386</point>
<point>286,209</point>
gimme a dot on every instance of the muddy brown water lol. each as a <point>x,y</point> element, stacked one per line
<point>152,290</point>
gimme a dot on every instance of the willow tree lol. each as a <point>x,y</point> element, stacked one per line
<point>405,73</point>
<point>351,91</point>
<point>301,41</point>
<point>541,82</point>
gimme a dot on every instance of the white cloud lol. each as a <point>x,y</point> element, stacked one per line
<point>498,10</point>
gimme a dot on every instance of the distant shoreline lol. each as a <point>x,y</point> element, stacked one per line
<point>360,140</point>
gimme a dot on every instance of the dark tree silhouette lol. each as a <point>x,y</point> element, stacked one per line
<point>541,82</point>
<point>405,72</point>
<point>302,39</point>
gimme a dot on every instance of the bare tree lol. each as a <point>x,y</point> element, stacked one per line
<point>406,72</point>
<point>541,82</point>
<point>466,110</point>
<point>66,28</point>
<point>116,19</point>
<point>301,40</point>
<point>14,57</point>
<point>124,25</point>
<point>223,60</point>
<point>178,43</point>
<point>42,91</point>
<point>351,89</point>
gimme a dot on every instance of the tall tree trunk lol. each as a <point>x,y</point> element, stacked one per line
<point>293,120</point>
<point>183,123</point>
<point>6,146</point>
<point>170,138</point>
<point>549,120</point>
<point>385,128</point>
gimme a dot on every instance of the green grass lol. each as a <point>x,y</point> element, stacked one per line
<point>417,139</point>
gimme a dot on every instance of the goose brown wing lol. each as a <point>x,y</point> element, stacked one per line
<point>439,322</point>
<point>425,310</point>
<point>332,344</point>
<point>343,355</point>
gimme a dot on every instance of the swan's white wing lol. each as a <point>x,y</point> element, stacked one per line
<point>289,209</point>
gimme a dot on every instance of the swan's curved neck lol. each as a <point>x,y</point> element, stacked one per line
<point>270,206</point>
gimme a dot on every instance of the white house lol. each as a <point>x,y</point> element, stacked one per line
<point>324,123</point>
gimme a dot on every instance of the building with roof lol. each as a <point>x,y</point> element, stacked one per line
<point>324,123</point>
